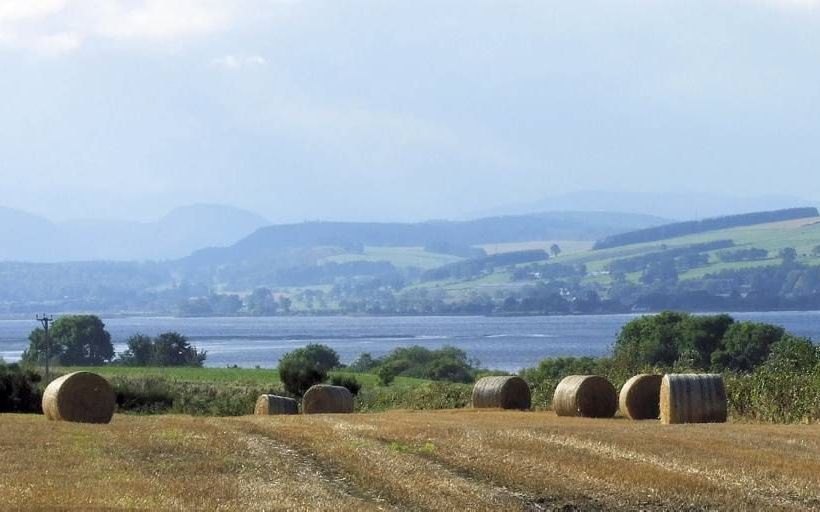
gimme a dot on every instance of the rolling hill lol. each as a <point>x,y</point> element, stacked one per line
<point>356,235</point>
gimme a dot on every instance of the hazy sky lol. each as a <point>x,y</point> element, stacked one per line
<point>393,110</point>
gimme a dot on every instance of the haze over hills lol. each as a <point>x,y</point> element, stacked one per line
<point>514,264</point>
<point>503,229</point>
<point>679,205</point>
<point>27,237</point>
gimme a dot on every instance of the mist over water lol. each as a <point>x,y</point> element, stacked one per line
<point>504,343</point>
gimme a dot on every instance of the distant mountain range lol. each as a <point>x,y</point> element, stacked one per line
<point>213,234</point>
<point>683,205</point>
<point>27,237</point>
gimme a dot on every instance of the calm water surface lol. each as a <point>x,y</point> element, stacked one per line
<point>508,343</point>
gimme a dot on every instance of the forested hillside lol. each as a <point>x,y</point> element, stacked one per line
<point>355,235</point>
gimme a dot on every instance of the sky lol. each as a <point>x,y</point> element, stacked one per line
<point>387,110</point>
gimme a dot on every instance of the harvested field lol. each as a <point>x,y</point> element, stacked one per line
<point>443,460</point>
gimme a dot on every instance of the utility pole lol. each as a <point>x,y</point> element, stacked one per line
<point>46,320</point>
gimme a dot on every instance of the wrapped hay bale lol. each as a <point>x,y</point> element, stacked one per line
<point>505,392</point>
<point>269,405</point>
<point>82,397</point>
<point>691,398</point>
<point>640,397</point>
<point>589,396</point>
<point>323,399</point>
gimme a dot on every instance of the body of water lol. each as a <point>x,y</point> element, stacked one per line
<point>505,343</point>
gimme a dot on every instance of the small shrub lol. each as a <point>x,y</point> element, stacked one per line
<point>304,367</point>
<point>363,363</point>
<point>388,371</point>
<point>444,364</point>
<point>347,381</point>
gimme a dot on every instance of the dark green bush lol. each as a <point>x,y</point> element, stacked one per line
<point>447,363</point>
<point>304,367</point>
<point>650,340</point>
<point>746,345</point>
<point>167,349</point>
<point>703,343</point>
<point>670,338</point>
<point>347,381</point>
<point>19,389</point>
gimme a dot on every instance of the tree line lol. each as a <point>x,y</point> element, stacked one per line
<point>82,340</point>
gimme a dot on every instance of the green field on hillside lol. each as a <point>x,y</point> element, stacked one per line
<point>802,235</point>
<point>567,246</point>
<point>398,256</point>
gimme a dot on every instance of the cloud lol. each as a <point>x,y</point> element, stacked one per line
<point>19,10</point>
<point>161,19</point>
<point>58,44</point>
<point>55,27</point>
<point>232,62</point>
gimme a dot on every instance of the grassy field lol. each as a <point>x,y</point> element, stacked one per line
<point>398,256</point>
<point>567,246</point>
<point>803,235</point>
<point>445,460</point>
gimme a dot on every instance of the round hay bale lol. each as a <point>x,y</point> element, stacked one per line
<point>325,399</point>
<point>691,398</point>
<point>270,405</point>
<point>508,392</point>
<point>82,397</point>
<point>640,397</point>
<point>588,396</point>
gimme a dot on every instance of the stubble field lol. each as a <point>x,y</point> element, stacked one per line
<point>443,460</point>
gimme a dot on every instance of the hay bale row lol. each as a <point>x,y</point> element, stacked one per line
<point>504,392</point>
<point>271,405</point>
<point>81,397</point>
<point>639,398</point>
<point>588,396</point>
<point>319,399</point>
<point>690,398</point>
